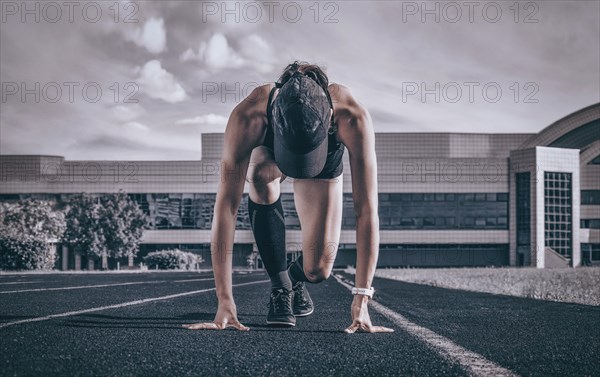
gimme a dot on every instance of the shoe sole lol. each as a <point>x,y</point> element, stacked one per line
<point>281,323</point>
<point>304,314</point>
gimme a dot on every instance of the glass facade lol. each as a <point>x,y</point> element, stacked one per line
<point>523,215</point>
<point>184,211</point>
<point>396,211</point>
<point>557,212</point>
<point>483,211</point>
<point>476,211</point>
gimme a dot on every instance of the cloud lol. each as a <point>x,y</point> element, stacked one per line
<point>217,54</point>
<point>258,53</point>
<point>137,125</point>
<point>128,112</point>
<point>152,36</point>
<point>156,82</point>
<point>209,119</point>
<point>242,52</point>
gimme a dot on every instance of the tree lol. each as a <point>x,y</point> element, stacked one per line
<point>32,217</point>
<point>110,225</point>
<point>25,252</point>
<point>27,229</point>
<point>84,233</point>
<point>122,222</point>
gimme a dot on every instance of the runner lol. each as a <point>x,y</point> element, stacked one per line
<point>292,129</point>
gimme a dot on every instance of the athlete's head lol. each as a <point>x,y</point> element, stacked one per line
<point>302,113</point>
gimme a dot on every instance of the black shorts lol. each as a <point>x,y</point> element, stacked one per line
<point>334,165</point>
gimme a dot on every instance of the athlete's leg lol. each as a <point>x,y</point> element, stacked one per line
<point>266,214</point>
<point>268,225</point>
<point>319,204</point>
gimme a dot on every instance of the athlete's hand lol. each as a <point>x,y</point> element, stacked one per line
<point>361,322</point>
<point>226,317</point>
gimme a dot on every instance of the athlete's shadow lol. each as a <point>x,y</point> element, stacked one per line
<point>112,321</point>
<point>270,328</point>
<point>254,321</point>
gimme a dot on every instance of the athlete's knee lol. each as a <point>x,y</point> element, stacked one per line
<point>261,174</point>
<point>317,274</point>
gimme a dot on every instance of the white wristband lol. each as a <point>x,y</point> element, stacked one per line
<point>363,291</point>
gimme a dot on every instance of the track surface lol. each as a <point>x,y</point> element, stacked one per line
<point>519,336</point>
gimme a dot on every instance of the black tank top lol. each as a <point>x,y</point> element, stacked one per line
<point>335,150</point>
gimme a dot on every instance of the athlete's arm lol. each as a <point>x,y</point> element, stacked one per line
<point>357,133</point>
<point>243,133</point>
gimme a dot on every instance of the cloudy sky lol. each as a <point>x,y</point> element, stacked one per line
<point>148,88</point>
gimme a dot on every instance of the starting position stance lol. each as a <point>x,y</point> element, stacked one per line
<point>292,129</point>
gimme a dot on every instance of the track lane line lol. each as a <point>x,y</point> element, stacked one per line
<point>103,285</point>
<point>188,280</point>
<point>473,363</point>
<point>122,305</point>
<point>22,282</point>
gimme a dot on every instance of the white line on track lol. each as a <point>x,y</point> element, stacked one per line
<point>103,285</point>
<point>122,305</point>
<point>187,280</point>
<point>473,363</point>
<point>22,282</point>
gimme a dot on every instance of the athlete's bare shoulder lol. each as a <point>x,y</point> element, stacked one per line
<point>248,120</point>
<point>345,103</point>
<point>351,117</point>
<point>255,103</point>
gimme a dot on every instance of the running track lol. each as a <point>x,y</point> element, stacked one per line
<point>130,325</point>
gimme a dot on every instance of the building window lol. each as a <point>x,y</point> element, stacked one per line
<point>557,208</point>
<point>428,221</point>
<point>523,214</point>
<point>590,253</point>
<point>590,223</point>
<point>430,211</point>
<point>590,196</point>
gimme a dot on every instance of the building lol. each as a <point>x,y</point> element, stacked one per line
<point>445,199</point>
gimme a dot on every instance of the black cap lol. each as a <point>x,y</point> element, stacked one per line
<point>301,120</point>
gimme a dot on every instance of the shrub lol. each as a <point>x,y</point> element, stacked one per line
<point>25,252</point>
<point>172,260</point>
